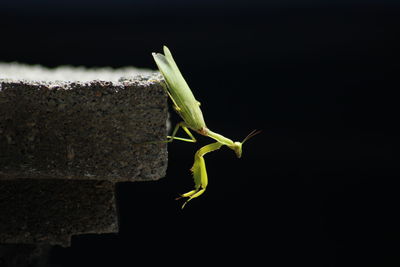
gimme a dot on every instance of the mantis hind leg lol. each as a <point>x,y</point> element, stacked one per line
<point>186,129</point>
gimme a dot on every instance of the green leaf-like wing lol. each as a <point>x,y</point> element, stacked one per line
<point>182,97</point>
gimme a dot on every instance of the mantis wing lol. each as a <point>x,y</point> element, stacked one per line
<point>181,95</point>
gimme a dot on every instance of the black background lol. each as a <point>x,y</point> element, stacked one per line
<point>318,187</point>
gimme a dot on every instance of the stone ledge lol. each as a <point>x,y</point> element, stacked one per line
<point>51,211</point>
<point>67,135</point>
<point>82,130</point>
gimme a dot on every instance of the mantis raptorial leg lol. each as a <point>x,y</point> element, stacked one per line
<point>199,172</point>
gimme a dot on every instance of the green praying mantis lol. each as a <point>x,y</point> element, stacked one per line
<point>186,105</point>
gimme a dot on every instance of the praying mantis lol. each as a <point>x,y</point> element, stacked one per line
<point>188,108</point>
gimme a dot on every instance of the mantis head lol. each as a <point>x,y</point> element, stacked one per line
<point>237,146</point>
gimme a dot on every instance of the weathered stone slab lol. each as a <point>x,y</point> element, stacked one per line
<point>67,135</point>
<point>81,129</point>
<point>35,211</point>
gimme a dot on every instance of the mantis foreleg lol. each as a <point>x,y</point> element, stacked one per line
<point>186,129</point>
<point>200,172</point>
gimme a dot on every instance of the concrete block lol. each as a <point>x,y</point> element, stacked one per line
<point>84,129</point>
<point>35,211</point>
<point>67,135</point>
<point>24,255</point>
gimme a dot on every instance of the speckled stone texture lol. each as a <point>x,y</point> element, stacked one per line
<point>67,135</point>
<point>51,211</point>
<point>83,130</point>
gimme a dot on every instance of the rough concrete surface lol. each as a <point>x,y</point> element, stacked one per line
<point>24,255</point>
<point>81,130</point>
<point>51,211</point>
<point>67,135</point>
